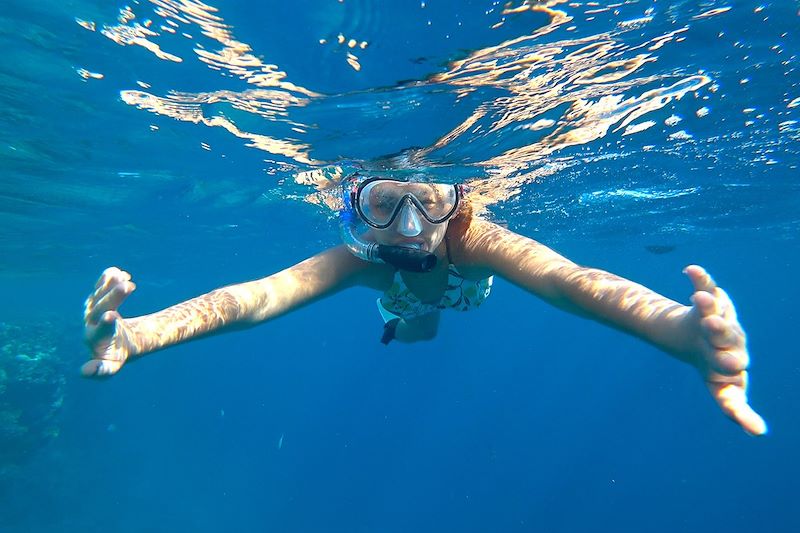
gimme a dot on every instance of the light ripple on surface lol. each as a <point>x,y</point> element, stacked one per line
<point>534,101</point>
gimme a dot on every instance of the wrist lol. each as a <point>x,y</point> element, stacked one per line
<point>682,335</point>
<point>133,338</point>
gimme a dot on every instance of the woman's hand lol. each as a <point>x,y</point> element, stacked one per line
<point>719,350</point>
<point>107,334</point>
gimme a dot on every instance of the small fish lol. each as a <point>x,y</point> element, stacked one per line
<point>659,249</point>
<point>280,442</point>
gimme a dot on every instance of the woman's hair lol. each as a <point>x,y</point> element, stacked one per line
<point>459,224</point>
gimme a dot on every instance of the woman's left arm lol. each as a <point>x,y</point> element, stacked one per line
<point>706,334</point>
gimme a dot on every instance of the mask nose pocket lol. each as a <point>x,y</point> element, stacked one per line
<point>410,224</point>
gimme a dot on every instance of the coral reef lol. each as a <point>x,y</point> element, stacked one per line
<point>32,385</point>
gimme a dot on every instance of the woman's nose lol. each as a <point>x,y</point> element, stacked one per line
<point>410,224</point>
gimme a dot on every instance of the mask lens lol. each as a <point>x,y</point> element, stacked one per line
<point>437,201</point>
<point>379,201</point>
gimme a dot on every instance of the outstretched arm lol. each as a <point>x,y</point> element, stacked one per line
<point>706,334</point>
<point>113,339</point>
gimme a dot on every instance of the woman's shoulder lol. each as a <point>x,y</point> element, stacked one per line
<point>465,238</point>
<point>462,249</point>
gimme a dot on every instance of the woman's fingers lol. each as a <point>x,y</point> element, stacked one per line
<point>102,322</point>
<point>726,357</point>
<point>705,303</point>
<point>111,289</point>
<point>109,274</point>
<point>731,362</point>
<point>107,281</point>
<point>732,399</point>
<point>100,368</point>
<point>110,301</point>
<point>103,329</point>
<point>722,333</point>
<point>728,353</point>
<point>725,305</point>
<point>701,280</point>
<point>703,283</point>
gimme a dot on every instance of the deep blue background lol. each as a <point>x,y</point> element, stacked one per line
<point>517,417</point>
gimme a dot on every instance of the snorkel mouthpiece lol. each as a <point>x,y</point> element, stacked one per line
<point>410,259</point>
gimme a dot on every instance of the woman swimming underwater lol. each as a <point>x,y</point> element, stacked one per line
<point>425,251</point>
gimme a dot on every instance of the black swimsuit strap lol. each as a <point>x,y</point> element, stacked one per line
<point>447,250</point>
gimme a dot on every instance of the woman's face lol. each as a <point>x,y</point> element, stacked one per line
<point>411,229</point>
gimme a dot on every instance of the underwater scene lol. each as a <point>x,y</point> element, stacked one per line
<point>199,145</point>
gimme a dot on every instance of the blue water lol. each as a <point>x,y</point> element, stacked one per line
<point>637,138</point>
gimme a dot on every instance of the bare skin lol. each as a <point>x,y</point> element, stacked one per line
<point>705,334</point>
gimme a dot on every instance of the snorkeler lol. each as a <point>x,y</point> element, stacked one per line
<point>425,251</point>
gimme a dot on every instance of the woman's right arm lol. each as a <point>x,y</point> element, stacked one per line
<point>113,340</point>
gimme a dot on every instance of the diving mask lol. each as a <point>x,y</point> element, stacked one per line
<point>379,201</point>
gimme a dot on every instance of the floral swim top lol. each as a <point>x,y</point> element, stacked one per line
<point>461,294</point>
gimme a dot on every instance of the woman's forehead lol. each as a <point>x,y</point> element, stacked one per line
<point>390,187</point>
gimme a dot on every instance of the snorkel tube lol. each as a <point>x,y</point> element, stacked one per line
<point>410,259</point>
